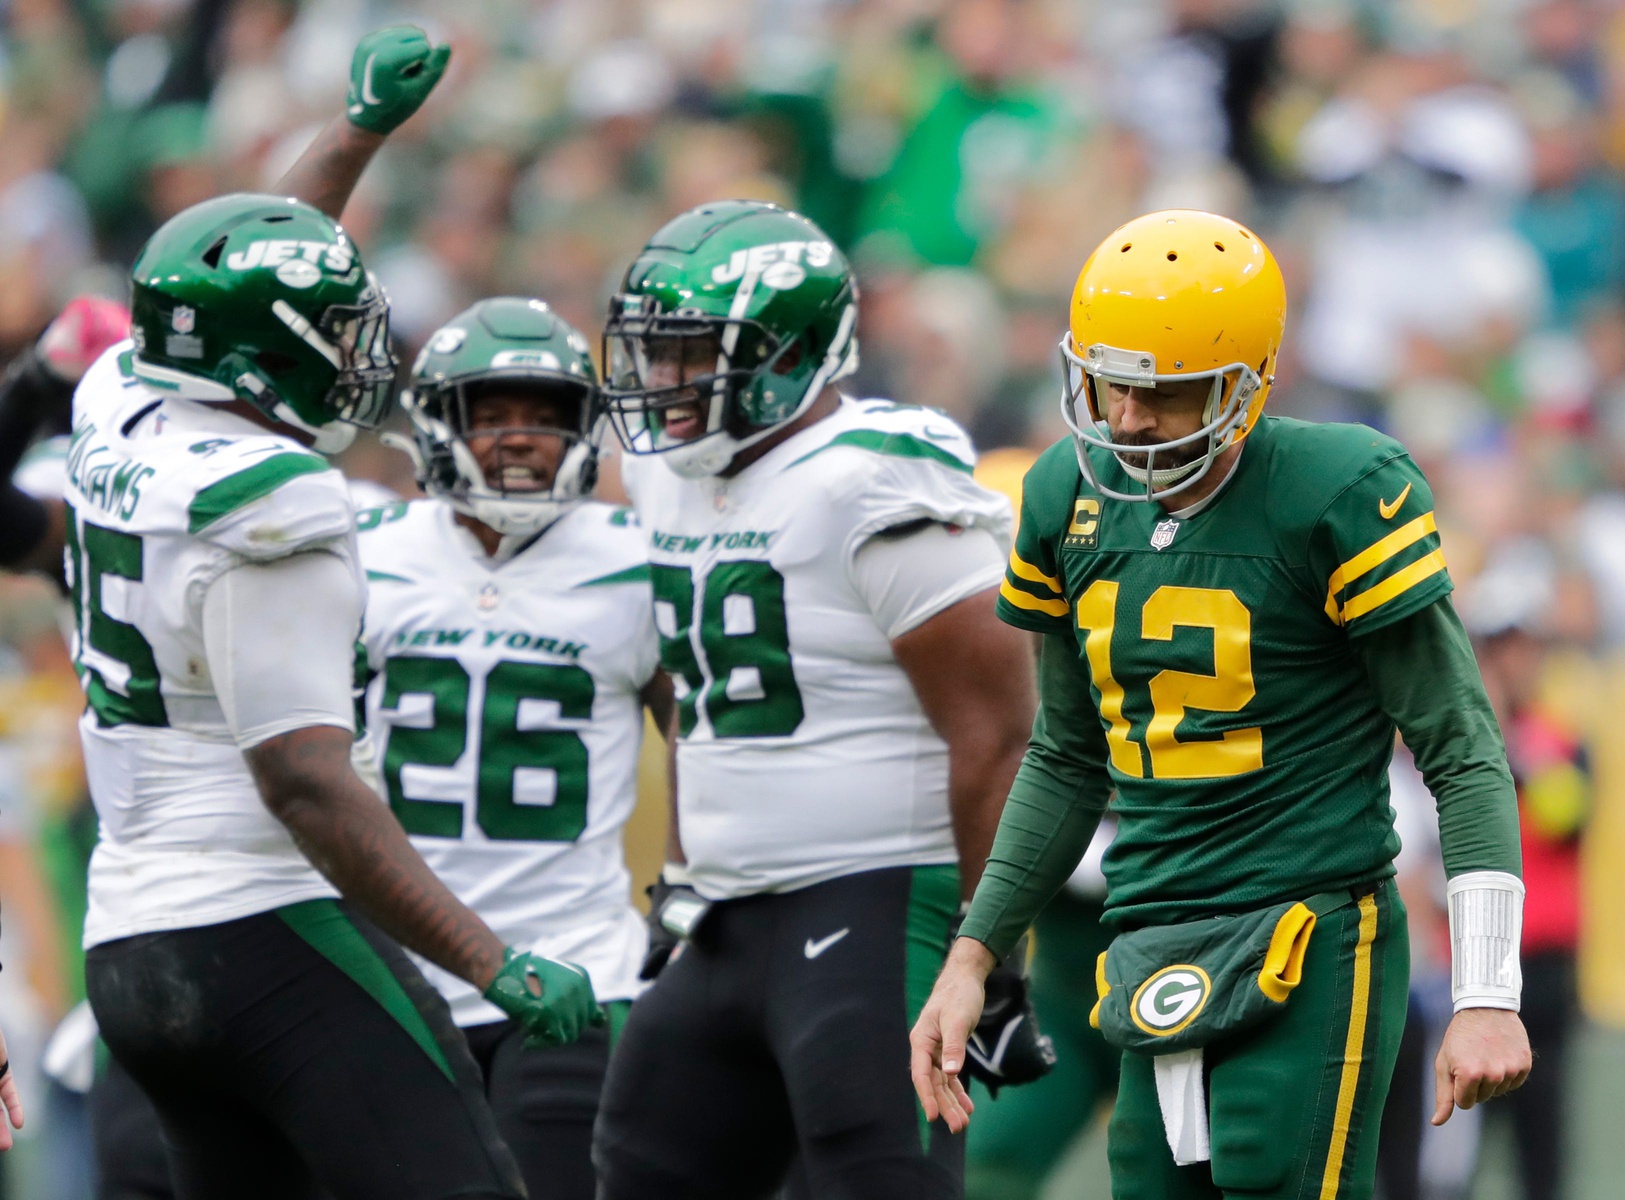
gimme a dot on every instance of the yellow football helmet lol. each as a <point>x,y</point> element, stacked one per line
<point>1172,296</point>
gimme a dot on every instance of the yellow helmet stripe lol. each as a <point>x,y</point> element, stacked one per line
<point>1396,584</point>
<point>1025,570</point>
<point>1374,555</point>
<point>1053,608</point>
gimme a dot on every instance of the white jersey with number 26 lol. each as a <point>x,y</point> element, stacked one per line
<point>505,712</point>
<point>805,754</point>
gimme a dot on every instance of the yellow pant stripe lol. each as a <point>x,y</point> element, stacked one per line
<point>1374,556</point>
<point>1053,608</point>
<point>1396,584</point>
<point>1021,567</point>
<point>1353,1050</point>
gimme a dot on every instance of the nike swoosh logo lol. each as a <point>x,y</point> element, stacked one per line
<point>1389,507</point>
<point>367,95</point>
<point>813,949</point>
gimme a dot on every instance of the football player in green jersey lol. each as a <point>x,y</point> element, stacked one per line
<point>1236,613</point>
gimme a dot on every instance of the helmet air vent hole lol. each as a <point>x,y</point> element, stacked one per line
<point>1125,247</point>
<point>1172,257</point>
<point>278,218</point>
<point>212,254</point>
<point>275,362</point>
<point>1219,246</point>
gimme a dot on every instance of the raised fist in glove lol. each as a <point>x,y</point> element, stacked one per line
<point>391,75</point>
<point>552,1001</point>
<point>1007,1047</point>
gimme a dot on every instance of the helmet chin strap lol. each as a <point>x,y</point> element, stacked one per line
<point>1159,479</point>
<point>330,439</point>
<point>518,521</point>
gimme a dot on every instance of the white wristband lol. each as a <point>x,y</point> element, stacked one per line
<point>1486,925</point>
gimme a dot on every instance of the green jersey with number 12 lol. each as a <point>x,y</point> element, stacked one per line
<point>1247,748</point>
<point>505,712</point>
<point>164,496</point>
<point>804,754</point>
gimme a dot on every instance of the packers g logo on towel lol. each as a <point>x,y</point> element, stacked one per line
<point>1171,999</point>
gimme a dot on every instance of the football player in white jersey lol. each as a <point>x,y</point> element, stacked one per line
<point>850,715</point>
<point>510,651</point>
<point>246,878</point>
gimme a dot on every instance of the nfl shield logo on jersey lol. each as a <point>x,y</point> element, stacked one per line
<point>183,319</point>
<point>1163,535</point>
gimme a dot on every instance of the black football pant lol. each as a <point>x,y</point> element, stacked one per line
<point>298,1053</point>
<point>127,1139</point>
<point>545,1101</point>
<point>782,1029</point>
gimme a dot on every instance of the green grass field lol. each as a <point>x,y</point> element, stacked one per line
<point>1595,1108</point>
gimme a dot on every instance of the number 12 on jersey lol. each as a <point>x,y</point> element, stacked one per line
<point>739,662</point>
<point>1228,690</point>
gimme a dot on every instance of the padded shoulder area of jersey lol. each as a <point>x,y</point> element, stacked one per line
<point>1050,487</point>
<point>1311,464</point>
<point>868,429</point>
<point>396,541</point>
<point>274,503</point>
<point>887,464</point>
<point>606,545</point>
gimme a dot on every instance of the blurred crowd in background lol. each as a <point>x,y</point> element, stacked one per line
<point>1441,180</point>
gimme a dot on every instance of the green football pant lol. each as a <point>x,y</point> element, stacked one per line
<point>1016,1140</point>
<point>1294,1106</point>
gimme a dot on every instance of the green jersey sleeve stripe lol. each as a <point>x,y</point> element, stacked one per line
<point>898,445</point>
<point>227,495</point>
<point>637,574</point>
<point>386,577</point>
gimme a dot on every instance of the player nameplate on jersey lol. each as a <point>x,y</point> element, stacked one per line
<point>1084,532</point>
<point>1163,535</point>
<point>489,597</point>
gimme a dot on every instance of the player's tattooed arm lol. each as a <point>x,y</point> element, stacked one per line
<point>326,173</point>
<point>307,782</point>
<point>973,675</point>
<point>392,73</point>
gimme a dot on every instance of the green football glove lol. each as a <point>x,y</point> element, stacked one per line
<point>553,1013</point>
<point>391,75</point>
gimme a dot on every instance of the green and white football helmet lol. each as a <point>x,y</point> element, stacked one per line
<point>757,301</point>
<point>265,299</point>
<point>508,343</point>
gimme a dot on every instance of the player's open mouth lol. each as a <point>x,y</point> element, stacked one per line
<point>683,422</point>
<point>521,479</point>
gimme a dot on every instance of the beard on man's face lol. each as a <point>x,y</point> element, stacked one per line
<point>1167,460</point>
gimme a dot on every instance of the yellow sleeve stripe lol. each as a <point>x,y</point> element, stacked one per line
<point>1396,584</point>
<point>1374,555</point>
<point>1021,567</point>
<point>1053,608</point>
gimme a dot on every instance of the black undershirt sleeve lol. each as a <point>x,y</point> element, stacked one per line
<point>31,399</point>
